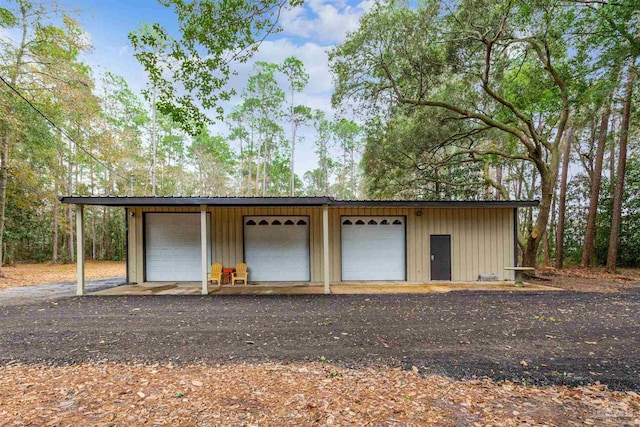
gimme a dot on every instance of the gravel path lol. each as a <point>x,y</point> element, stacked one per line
<point>541,338</point>
<point>50,291</point>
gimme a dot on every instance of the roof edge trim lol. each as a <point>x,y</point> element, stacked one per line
<point>127,201</point>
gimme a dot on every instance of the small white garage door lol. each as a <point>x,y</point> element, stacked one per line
<point>373,248</point>
<point>172,246</point>
<point>276,248</point>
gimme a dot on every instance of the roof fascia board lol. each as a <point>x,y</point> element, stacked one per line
<point>194,201</point>
<point>286,201</point>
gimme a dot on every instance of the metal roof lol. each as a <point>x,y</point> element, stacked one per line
<point>126,201</point>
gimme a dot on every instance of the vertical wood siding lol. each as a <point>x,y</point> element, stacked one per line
<point>482,239</point>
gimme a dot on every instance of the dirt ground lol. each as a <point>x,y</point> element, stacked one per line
<point>580,279</point>
<point>309,394</point>
<point>473,358</point>
<point>540,338</point>
<point>33,274</point>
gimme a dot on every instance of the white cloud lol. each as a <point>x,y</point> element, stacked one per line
<point>312,55</point>
<point>308,33</point>
<point>326,21</point>
<point>317,94</point>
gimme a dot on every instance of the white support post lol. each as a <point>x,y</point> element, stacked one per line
<point>80,249</point>
<point>203,247</point>
<point>325,247</point>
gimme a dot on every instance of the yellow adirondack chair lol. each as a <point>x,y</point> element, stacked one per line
<point>216,273</point>
<point>241,273</point>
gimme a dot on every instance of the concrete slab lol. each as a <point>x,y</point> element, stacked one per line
<point>295,288</point>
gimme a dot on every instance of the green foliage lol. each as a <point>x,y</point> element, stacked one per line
<point>460,100</point>
<point>411,158</point>
<point>7,18</point>
<point>293,69</point>
<point>578,199</point>
<point>214,35</point>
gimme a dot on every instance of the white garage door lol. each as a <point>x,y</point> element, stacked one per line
<point>373,248</point>
<point>172,246</point>
<point>276,248</point>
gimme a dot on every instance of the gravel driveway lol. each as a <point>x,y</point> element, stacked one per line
<point>49,291</point>
<point>542,338</point>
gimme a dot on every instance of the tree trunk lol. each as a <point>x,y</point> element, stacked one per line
<point>612,168</point>
<point>69,210</point>
<point>498,180</point>
<point>93,218</point>
<point>103,243</point>
<point>326,170</point>
<point>616,214</point>
<point>548,177</point>
<point>293,149</point>
<point>546,256</point>
<point>258,160</point>
<point>4,176</point>
<point>353,176</point>
<point>293,144</point>
<point>109,247</point>
<point>596,181</point>
<point>4,129</point>
<point>154,143</point>
<point>562,201</point>
<point>94,247</point>
<point>487,178</point>
<point>265,160</point>
<point>56,204</point>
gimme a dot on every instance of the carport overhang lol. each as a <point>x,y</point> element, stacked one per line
<point>203,202</point>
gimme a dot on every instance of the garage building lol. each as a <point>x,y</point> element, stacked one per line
<point>317,240</point>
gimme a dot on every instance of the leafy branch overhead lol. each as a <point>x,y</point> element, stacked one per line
<point>500,76</point>
<point>190,72</point>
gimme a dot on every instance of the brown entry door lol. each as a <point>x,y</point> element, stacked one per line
<point>441,257</point>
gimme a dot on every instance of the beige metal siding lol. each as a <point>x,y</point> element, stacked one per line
<point>482,240</point>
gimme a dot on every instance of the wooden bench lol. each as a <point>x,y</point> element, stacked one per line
<point>519,273</point>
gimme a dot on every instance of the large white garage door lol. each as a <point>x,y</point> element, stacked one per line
<point>172,246</point>
<point>373,248</point>
<point>276,248</point>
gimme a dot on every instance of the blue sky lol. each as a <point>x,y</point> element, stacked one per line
<point>308,32</point>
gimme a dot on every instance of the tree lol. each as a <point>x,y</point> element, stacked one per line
<point>43,62</point>
<point>297,78</point>
<point>214,36</point>
<point>215,161</point>
<point>500,67</point>
<point>324,135</point>
<point>566,159</point>
<point>596,180</point>
<point>346,133</point>
<point>616,215</point>
<point>265,98</point>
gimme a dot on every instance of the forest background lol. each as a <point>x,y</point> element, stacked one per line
<point>434,100</point>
